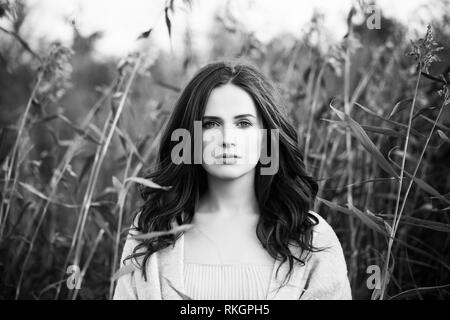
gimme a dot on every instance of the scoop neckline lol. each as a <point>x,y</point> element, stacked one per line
<point>239,264</point>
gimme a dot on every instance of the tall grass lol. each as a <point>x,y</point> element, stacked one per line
<point>378,149</point>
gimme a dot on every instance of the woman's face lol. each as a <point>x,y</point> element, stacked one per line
<point>232,133</point>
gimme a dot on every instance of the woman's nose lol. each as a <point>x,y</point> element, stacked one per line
<point>228,137</point>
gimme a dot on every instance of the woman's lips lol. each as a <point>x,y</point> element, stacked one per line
<point>227,156</point>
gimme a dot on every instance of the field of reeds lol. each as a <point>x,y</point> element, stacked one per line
<point>76,133</point>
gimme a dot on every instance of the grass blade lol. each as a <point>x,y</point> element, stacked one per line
<point>364,139</point>
<point>373,222</point>
<point>147,182</point>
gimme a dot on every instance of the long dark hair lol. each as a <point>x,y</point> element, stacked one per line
<point>284,198</point>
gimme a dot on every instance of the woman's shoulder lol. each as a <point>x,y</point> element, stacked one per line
<point>327,269</point>
<point>323,234</point>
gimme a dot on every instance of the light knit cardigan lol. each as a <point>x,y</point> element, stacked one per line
<point>324,276</point>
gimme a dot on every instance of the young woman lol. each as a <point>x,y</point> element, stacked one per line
<point>252,233</point>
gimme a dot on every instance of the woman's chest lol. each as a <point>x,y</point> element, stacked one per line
<point>226,245</point>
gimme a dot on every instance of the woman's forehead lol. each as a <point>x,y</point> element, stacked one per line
<point>229,101</point>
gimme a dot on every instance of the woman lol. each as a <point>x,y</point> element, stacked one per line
<point>252,234</point>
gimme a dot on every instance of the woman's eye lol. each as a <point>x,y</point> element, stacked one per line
<point>244,124</point>
<point>209,124</point>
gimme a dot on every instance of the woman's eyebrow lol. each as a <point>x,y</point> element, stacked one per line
<point>236,117</point>
<point>244,115</point>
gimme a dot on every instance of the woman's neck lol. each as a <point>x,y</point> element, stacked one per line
<point>230,198</point>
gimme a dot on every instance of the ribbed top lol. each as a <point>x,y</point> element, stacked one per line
<point>227,281</point>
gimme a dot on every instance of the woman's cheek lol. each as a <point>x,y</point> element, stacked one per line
<point>249,146</point>
<point>210,144</point>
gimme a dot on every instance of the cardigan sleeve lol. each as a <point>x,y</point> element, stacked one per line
<point>126,284</point>
<point>326,276</point>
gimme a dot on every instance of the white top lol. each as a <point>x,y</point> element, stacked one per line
<point>227,281</point>
<point>324,276</point>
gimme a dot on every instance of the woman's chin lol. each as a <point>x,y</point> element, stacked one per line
<point>228,171</point>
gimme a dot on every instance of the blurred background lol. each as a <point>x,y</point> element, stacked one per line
<point>86,87</point>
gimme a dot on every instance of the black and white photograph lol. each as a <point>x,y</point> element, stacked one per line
<point>228,150</point>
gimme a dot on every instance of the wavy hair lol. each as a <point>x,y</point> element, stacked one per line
<point>284,198</point>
